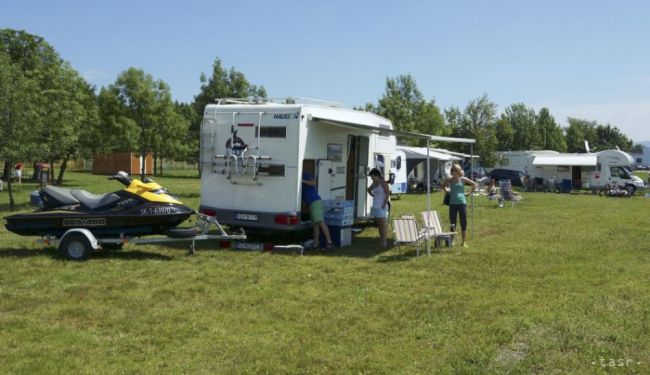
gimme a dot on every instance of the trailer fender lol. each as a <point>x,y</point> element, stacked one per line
<point>83,231</point>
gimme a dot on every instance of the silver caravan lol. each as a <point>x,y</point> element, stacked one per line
<point>253,156</point>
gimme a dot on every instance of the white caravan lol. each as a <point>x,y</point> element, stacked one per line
<point>253,156</point>
<point>584,170</point>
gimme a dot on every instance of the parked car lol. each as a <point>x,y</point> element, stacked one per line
<point>477,173</point>
<point>515,177</point>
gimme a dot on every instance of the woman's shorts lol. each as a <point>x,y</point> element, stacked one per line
<point>316,211</point>
<point>378,212</point>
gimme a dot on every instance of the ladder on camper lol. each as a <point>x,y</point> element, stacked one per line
<point>241,167</point>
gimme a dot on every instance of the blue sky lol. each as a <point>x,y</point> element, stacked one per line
<point>585,59</point>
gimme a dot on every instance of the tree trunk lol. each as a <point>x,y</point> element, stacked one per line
<point>51,176</point>
<point>12,204</point>
<point>35,176</point>
<point>155,164</point>
<point>64,165</point>
<point>6,172</point>
<point>161,164</point>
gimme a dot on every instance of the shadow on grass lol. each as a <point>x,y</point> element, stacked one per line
<point>27,253</point>
<point>128,255</point>
<point>98,254</point>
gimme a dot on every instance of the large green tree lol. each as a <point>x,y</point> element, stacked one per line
<point>610,137</point>
<point>137,114</point>
<point>222,83</point>
<point>405,106</point>
<point>600,137</point>
<point>520,128</point>
<point>550,131</point>
<point>637,148</point>
<point>61,105</point>
<point>577,132</point>
<point>68,125</point>
<point>478,121</point>
<point>525,133</point>
<point>505,133</point>
<point>17,104</point>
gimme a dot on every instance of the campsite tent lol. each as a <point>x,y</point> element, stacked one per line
<point>417,155</point>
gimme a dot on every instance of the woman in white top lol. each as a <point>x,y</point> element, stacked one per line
<point>380,193</point>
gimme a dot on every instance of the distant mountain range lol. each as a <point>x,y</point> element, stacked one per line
<point>646,143</point>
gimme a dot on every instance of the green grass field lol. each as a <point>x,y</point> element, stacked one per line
<point>557,284</point>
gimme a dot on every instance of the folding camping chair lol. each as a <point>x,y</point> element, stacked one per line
<point>506,192</point>
<point>407,233</point>
<point>433,229</point>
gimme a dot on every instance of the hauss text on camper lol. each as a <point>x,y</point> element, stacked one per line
<point>285,116</point>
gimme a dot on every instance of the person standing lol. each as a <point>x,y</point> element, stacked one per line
<point>380,193</point>
<point>455,186</point>
<point>313,200</point>
<point>19,172</point>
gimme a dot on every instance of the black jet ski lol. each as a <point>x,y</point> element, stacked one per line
<point>142,208</point>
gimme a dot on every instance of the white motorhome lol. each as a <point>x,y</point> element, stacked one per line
<point>253,156</point>
<point>584,170</point>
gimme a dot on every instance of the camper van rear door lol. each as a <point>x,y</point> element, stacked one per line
<point>325,172</point>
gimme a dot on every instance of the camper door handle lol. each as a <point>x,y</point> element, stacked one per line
<point>330,171</point>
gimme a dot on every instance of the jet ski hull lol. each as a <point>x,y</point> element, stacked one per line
<point>147,219</point>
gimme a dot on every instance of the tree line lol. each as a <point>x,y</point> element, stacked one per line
<point>50,113</point>
<point>518,127</point>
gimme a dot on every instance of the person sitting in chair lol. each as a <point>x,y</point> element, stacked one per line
<point>492,193</point>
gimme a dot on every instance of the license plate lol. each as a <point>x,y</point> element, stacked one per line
<point>249,246</point>
<point>245,217</point>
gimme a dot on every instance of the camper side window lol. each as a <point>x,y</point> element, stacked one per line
<point>272,131</point>
<point>620,172</point>
<point>271,169</point>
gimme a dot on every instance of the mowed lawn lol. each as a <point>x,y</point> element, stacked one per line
<point>557,284</point>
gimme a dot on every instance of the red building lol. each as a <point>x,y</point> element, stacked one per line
<point>129,162</point>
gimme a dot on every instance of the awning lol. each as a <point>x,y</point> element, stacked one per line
<point>421,153</point>
<point>387,129</point>
<point>459,154</point>
<point>568,160</point>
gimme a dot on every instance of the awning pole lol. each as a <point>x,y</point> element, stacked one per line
<point>428,194</point>
<point>471,151</point>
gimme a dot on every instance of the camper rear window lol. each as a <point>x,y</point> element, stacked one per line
<point>271,169</point>
<point>272,131</point>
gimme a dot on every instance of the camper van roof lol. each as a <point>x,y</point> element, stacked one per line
<point>566,159</point>
<point>316,112</point>
<point>338,115</point>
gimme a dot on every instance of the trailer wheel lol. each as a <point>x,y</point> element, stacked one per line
<point>181,232</point>
<point>76,246</point>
